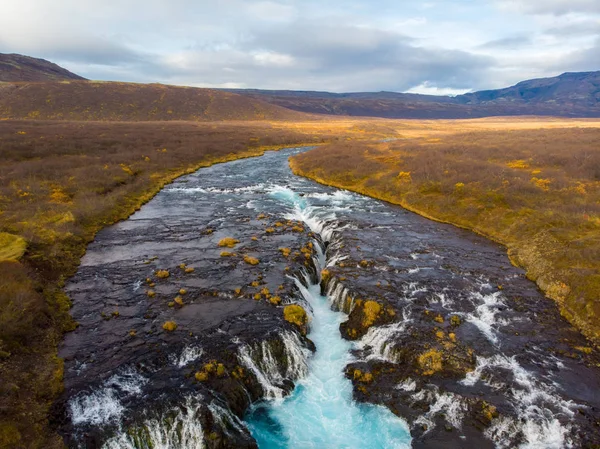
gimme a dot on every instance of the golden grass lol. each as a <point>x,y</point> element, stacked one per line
<point>533,185</point>
<point>60,183</point>
<point>12,247</point>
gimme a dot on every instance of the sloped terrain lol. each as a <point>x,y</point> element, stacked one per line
<point>14,67</point>
<point>92,100</point>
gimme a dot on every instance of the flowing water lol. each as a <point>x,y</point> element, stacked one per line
<point>508,376</point>
<point>321,413</point>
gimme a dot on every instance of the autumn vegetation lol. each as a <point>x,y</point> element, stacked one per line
<point>537,191</point>
<point>60,183</point>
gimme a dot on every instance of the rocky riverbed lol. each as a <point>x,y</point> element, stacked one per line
<point>188,314</point>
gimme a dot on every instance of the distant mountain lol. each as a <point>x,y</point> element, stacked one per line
<point>95,100</point>
<point>567,95</point>
<point>567,89</point>
<point>23,96</point>
<point>15,67</point>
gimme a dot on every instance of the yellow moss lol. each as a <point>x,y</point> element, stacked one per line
<point>541,183</point>
<point>518,163</point>
<point>276,300</point>
<point>237,291</point>
<point>210,367</point>
<point>171,303</point>
<point>12,247</point>
<point>439,318</point>
<point>255,283</point>
<point>170,326</point>
<point>297,229</point>
<point>325,275</point>
<point>269,230</point>
<point>584,349</point>
<point>228,242</point>
<point>238,372</point>
<point>257,296</point>
<point>182,266</point>
<point>364,263</point>
<point>58,196</point>
<point>261,216</point>
<point>220,370</point>
<point>178,300</point>
<point>162,274</point>
<point>254,238</point>
<point>132,333</point>
<point>452,336</point>
<point>439,334</point>
<point>201,376</point>
<point>251,260</point>
<point>182,291</point>
<point>278,224</point>
<point>430,362</point>
<point>189,270</point>
<point>285,251</point>
<point>151,293</point>
<point>371,311</point>
<point>295,314</point>
<point>404,176</point>
<point>227,254</point>
<point>455,320</point>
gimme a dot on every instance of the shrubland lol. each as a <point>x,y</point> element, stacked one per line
<point>537,191</point>
<point>60,183</point>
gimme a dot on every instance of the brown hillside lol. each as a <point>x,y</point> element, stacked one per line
<point>15,67</point>
<point>114,101</point>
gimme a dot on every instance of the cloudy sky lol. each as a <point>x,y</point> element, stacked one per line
<point>445,46</point>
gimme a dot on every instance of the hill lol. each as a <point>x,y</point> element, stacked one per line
<point>114,101</point>
<point>14,67</point>
<point>567,95</point>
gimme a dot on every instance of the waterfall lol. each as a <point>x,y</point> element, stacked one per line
<point>536,406</point>
<point>272,368</point>
<point>321,411</point>
<point>179,428</point>
<point>103,405</point>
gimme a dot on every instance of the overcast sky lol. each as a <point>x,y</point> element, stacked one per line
<point>445,46</point>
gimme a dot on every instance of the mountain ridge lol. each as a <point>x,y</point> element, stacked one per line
<point>15,67</point>
<point>28,82</point>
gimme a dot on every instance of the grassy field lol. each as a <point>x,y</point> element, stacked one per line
<point>531,185</point>
<point>61,182</point>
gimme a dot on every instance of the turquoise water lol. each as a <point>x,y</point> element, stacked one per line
<point>320,412</point>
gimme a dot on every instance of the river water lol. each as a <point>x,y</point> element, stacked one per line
<point>509,374</point>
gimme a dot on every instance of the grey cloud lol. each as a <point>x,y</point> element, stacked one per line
<point>507,43</point>
<point>554,7</point>
<point>341,49</point>
<point>588,28</point>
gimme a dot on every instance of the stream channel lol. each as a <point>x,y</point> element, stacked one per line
<point>419,334</point>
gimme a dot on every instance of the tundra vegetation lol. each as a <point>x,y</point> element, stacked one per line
<point>537,191</point>
<point>60,183</point>
<point>63,181</point>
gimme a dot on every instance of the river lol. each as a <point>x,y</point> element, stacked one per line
<point>463,350</point>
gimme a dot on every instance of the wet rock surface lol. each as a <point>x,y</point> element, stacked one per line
<point>447,334</point>
<point>164,308</point>
<point>472,354</point>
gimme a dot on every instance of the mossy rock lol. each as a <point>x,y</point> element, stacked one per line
<point>296,314</point>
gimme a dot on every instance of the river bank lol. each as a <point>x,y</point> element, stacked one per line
<point>429,336</point>
<point>519,189</point>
